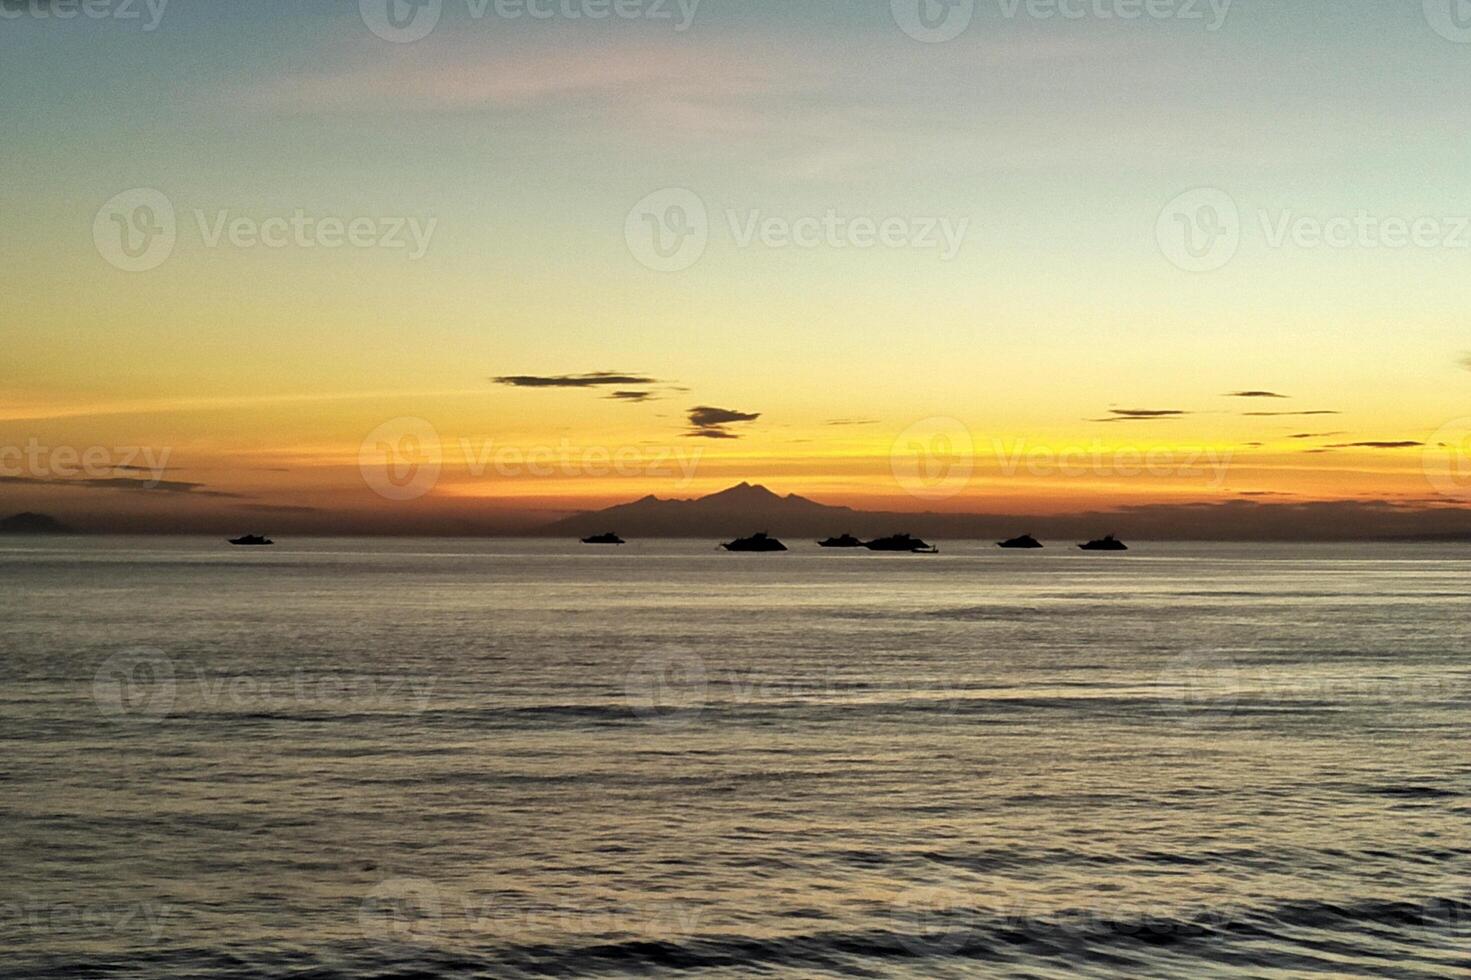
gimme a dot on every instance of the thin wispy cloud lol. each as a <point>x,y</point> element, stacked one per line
<point>156,406</point>
<point>845,422</point>
<point>1254,394</point>
<point>1141,414</point>
<point>633,397</point>
<point>817,110</point>
<point>1283,415</point>
<point>593,379</point>
<point>122,483</point>
<point>1401,444</point>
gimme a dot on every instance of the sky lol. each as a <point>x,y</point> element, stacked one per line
<point>457,266</point>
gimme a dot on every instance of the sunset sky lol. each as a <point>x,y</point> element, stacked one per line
<point>503,173</point>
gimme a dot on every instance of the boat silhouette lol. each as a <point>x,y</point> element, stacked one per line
<point>1109,543</point>
<point>756,542</point>
<point>1025,541</point>
<point>608,538</point>
<point>846,541</point>
<point>255,540</point>
<point>902,542</point>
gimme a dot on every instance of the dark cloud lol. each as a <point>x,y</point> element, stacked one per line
<point>1402,444</point>
<point>704,415</point>
<point>710,423</point>
<point>632,396</point>
<point>1286,415</point>
<point>593,379</point>
<point>1254,394</point>
<point>1138,414</point>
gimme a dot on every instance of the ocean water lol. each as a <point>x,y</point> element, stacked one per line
<point>346,758</point>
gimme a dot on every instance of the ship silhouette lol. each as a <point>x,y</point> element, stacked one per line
<point>902,542</point>
<point>607,538</point>
<point>1109,543</point>
<point>846,541</point>
<point>1025,541</point>
<point>252,540</point>
<point>756,542</point>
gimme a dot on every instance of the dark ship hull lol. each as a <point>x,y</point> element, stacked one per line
<point>755,543</point>
<point>902,544</point>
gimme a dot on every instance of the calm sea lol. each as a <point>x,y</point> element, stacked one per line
<point>347,758</point>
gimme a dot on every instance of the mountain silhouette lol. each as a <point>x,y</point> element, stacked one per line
<point>29,523</point>
<point>729,513</point>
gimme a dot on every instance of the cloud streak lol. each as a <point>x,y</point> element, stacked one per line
<point>707,422</point>
<point>123,483</point>
<point>593,379</point>
<point>1141,414</point>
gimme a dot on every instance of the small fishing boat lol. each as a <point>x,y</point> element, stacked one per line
<point>609,538</point>
<point>1025,541</point>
